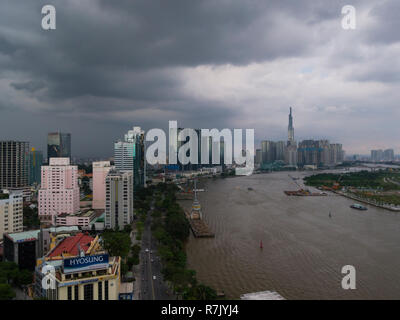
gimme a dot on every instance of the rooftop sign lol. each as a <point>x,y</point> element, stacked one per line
<point>80,264</point>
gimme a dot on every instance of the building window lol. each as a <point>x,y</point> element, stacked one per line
<point>76,292</point>
<point>100,291</point>
<point>88,291</point>
<point>106,290</point>
<point>69,293</point>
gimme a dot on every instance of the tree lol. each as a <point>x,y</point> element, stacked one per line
<point>6,292</point>
<point>117,243</point>
<point>24,277</point>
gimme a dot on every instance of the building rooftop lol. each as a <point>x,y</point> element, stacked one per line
<point>22,236</point>
<point>262,295</point>
<point>63,229</point>
<point>70,245</point>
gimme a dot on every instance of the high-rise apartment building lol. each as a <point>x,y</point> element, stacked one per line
<point>336,153</point>
<point>280,150</point>
<point>14,164</point>
<point>59,192</point>
<point>388,155</point>
<point>268,151</point>
<point>377,155</point>
<point>258,157</point>
<point>11,212</point>
<point>319,153</point>
<point>35,165</point>
<point>129,155</point>
<point>58,145</point>
<point>119,199</point>
<point>100,171</point>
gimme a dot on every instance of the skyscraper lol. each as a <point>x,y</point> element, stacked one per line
<point>129,155</point>
<point>291,148</point>
<point>388,155</point>
<point>290,128</point>
<point>14,164</point>
<point>58,145</point>
<point>59,192</point>
<point>119,199</point>
<point>268,151</point>
<point>35,163</point>
<point>377,155</point>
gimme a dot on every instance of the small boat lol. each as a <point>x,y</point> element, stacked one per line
<point>358,206</point>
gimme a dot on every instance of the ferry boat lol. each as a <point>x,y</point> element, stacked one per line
<point>358,206</point>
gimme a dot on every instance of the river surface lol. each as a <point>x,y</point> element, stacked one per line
<point>304,249</point>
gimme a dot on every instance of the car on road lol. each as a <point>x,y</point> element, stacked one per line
<point>152,260</point>
<point>154,277</point>
<point>147,250</point>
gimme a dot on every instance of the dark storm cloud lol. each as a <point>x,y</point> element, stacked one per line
<point>106,48</point>
<point>114,64</point>
<point>30,86</point>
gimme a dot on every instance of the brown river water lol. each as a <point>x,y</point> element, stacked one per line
<point>304,249</point>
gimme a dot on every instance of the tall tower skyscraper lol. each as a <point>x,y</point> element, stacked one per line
<point>290,128</point>
<point>14,164</point>
<point>129,155</point>
<point>58,145</point>
<point>35,162</point>
<point>119,199</point>
<point>291,149</point>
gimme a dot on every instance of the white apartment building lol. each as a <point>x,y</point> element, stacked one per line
<point>119,199</point>
<point>59,193</point>
<point>11,212</point>
<point>100,171</point>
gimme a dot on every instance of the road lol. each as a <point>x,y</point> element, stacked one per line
<point>152,285</point>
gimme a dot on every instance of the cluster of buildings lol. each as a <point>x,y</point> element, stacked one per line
<point>78,266</point>
<point>382,155</point>
<point>314,153</point>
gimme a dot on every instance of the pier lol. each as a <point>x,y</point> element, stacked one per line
<point>304,193</point>
<point>199,228</point>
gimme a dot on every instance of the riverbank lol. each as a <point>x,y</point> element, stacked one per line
<point>366,201</point>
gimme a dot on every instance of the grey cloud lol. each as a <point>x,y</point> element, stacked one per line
<point>108,59</point>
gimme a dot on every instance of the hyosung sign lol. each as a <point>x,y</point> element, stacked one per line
<point>79,264</point>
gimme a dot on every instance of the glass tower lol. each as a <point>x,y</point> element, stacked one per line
<point>58,145</point>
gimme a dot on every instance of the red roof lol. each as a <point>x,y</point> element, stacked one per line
<point>70,245</point>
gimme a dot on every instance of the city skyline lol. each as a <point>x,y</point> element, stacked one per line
<point>243,69</point>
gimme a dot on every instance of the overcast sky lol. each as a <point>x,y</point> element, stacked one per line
<point>112,65</point>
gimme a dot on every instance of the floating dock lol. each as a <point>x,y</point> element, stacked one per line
<point>199,228</point>
<point>304,193</point>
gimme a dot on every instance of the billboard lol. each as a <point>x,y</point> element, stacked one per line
<point>80,264</point>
